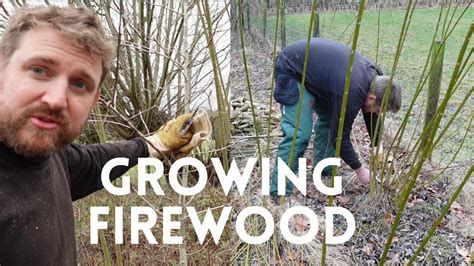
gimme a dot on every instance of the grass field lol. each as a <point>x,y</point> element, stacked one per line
<point>339,26</point>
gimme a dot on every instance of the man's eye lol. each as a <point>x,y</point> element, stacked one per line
<point>80,85</point>
<point>38,71</point>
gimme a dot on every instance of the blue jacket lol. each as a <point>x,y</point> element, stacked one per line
<point>326,74</point>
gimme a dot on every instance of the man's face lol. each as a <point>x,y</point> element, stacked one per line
<point>47,90</point>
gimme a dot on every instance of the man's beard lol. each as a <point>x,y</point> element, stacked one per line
<point>38,142</point>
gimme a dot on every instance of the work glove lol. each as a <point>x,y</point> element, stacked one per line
<point>169,141</point>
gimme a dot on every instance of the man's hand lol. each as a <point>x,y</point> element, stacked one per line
<point>363,174</point>
<point>168,138</point>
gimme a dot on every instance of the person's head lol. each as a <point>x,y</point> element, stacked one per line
<point>377,91</point>
<point>80,25</point>
<point>52,62</point>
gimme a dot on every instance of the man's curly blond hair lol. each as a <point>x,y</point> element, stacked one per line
<point>80,25</point>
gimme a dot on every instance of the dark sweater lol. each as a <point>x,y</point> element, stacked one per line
<point>325,79</point>
<point>36,194</point>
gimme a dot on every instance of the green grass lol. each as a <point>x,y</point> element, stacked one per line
<point>339,27</point>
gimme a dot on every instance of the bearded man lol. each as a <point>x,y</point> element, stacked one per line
<point>52,63</point>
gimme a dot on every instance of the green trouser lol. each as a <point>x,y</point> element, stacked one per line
<point>322,146</point>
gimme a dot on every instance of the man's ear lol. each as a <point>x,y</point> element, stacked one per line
<point>371,98</point>
<point>97,96</point>
<point>369,103</point>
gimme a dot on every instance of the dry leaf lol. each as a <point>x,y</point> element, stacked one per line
<point>342,200</point>
<point>291,256</point>
<point>471,217</point>
<point>301,223</point>
<point>464,252</point>
<point>276,260</point>
<point>368,248</point>
<point>312,192</point>
<point>309,161</point>
<point>395,259</point>
<point>457,208</point>
<point>400,155</point>
<point>173,253</point>
<point>413,200</point>
<point>388,218</point>
<point>462,213</point>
